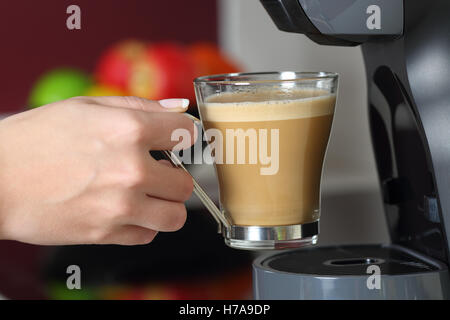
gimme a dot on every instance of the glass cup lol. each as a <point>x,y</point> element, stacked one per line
<point>268,134</point>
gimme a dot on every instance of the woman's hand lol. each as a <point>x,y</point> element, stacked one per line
<point>79,171</point>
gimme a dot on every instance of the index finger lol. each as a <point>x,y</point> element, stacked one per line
<point>167,131</point>
<point>138,103</point>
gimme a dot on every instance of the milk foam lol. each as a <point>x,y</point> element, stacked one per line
<point>246,107</point>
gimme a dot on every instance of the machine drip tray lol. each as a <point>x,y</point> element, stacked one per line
<point>350,260</point>
<point>348,272</point>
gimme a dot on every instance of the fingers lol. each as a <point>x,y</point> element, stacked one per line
<point>135,218</point>
<point>167,131</point>
<point>137,103</point>
<point>153,125</point>
<point>158,214</point>
<point>147,219</point>
<point>129,235</point>
<point>167,182</point>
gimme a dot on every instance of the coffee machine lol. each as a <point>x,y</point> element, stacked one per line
<point>406,46</point>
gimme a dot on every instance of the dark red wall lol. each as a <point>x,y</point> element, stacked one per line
<point>34,36</point>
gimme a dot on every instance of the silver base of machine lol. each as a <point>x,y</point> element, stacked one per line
<point>271,237</point>
<point>347,273</point>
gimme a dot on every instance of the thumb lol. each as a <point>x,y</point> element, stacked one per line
<point>137,103</point>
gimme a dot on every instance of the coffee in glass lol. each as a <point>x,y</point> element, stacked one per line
<point>273,131</point>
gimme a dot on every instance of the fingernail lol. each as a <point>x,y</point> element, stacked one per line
<point>174,103</point>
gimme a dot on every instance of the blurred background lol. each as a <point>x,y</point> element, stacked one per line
<point>154,49</point>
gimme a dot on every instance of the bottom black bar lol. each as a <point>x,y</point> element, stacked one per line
<point>222,309</point>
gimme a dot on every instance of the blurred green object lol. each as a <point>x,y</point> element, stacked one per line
<point>59,291</point>
<point>59,84</point>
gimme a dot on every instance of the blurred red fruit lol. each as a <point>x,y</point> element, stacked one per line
<point>161,70</point>
<point>115,65</point>
<point>208,60</point>
<point>165,72</point>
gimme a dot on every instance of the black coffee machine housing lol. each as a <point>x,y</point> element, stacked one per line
<point>406,49</point>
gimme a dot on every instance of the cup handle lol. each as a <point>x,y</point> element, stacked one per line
<point>198,190</point>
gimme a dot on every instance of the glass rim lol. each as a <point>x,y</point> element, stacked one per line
<point>290,76</point>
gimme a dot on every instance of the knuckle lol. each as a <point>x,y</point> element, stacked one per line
<point>134,128</point>
<point>78,106</point>
<point>129,238</point>
<point>135,175</point>
<point>135,101</point>
<point>123,207</point>
<point>146,237</point>
<point>79,99</point>
<point>133,238</point>
<point>80,102</point>
<point>177,219</point>
<point>74,104</point>
<point>99,236</point>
